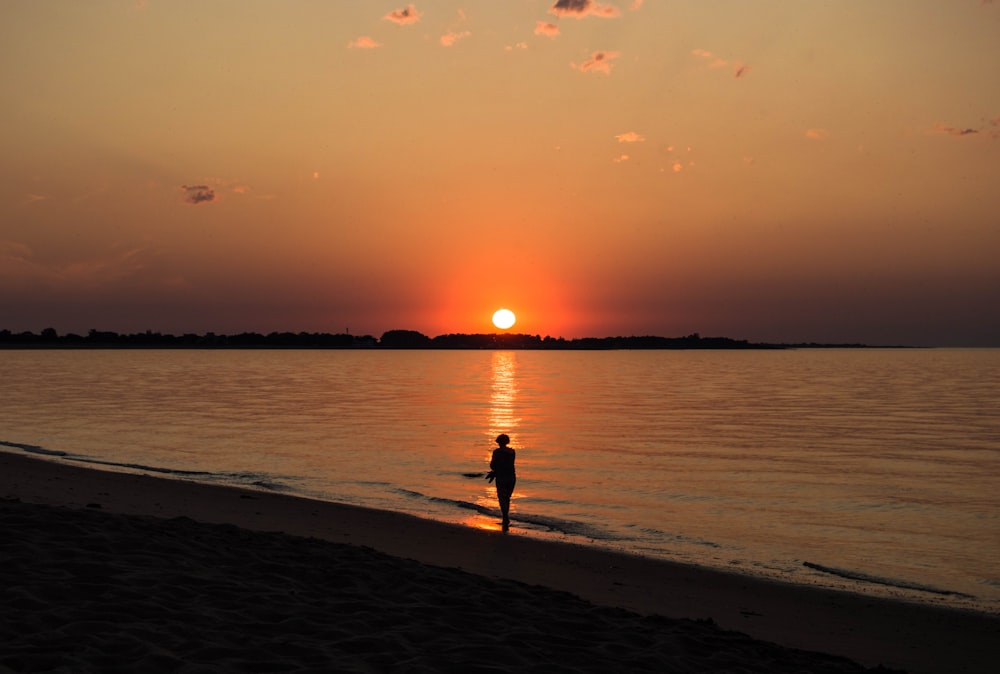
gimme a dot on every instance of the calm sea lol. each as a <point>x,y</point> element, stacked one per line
<point>876,471</point>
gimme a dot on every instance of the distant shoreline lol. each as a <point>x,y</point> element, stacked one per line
<point>393,339</point>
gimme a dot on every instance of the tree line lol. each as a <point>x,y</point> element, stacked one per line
<point>393,339</point>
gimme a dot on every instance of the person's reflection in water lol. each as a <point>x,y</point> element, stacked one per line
<point>502,469</point>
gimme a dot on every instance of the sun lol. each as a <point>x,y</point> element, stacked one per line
<point>504,318</point>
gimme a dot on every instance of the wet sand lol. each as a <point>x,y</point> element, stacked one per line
<point>105,571</point>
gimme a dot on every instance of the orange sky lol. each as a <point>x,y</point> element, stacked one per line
<point>767,170</point>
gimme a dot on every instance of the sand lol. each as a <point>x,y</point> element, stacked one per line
<point>105,572</point>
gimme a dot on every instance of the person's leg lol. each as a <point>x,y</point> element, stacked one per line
<point>503,498</point>
<point>505,490</point>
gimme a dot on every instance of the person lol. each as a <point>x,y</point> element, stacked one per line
<point>502,470</point>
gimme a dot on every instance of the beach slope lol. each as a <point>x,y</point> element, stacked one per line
<point>104,571</point>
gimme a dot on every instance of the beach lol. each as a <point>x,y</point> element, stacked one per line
<point>115,571</point>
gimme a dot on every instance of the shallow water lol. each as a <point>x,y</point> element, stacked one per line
<point>871,470</point>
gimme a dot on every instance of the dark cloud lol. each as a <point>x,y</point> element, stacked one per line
<point>198,194</point>
<point>403,16</point>
<point>599,62</point>
<point>571,6</point>
<point>581,8</point>
<point>953,130</point>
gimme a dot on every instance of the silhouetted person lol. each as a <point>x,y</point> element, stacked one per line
<point>502,469</point>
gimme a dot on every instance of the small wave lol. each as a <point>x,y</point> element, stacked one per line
<point>33,449</point>
<point>248,479</point>
<point>245,479</point>
<point>555,524</point>
<point>142,467</point>
<point>867,578</point>
<point>270,486</point>
<point>680,538</point>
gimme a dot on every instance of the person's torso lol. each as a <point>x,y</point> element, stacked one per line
<point>503,461</point>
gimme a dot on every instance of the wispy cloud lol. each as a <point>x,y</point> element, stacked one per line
<point>13,250</point>
<point>20,264</point>
<point>739,69</point>
<point>941,127</point>
<point>817,134</point>
<point>713,61</point>
<point>630,137</point>
<point>455,33</point>
<point>988,128</point>
<point>579,9</point>
<point>599,62</point>
<point>450,38</point>
<point>198,194</point>
<point>404,16</point>
<point>547,29</point>
<point>619,159</point>
<point>363,42</point>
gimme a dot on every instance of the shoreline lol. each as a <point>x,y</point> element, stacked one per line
<point>870,631</point>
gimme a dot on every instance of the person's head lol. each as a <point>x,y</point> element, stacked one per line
<point>503,440</point>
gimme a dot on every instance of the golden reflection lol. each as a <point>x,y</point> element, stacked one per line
<point>482,522</point>
<point>503,395</point>
<point>503,418</point>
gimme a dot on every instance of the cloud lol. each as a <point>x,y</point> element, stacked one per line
<point>14,250</point>
<point>817,134</point>
<point>547,29</point>
<point>403,16</point>
<point>198,194</point>
<point>739,69</point>
<point>636,4</point>
<point>714,62</point>
<point>579,9</point>
<point>620,159</point>
<point>363,42</point>
<point>989,128</point>
<point>941,127</point>
<point>630,137</point>
<point>450,38</point>
<point>20,265</point>
<point>599,62</point>
<point>454,33</point>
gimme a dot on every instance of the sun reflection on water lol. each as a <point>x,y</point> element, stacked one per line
<point>503,394</point>
<point>503,418</point>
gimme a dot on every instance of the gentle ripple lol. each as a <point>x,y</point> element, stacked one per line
<point>876,463</point>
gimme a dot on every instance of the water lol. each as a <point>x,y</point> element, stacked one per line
<point>874,471</point>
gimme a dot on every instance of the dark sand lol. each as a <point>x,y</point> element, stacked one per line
<point>105,572</point>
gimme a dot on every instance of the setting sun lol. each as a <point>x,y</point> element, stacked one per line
<point>504,318</point>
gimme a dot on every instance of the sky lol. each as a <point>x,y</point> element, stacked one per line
<point>767,170</point>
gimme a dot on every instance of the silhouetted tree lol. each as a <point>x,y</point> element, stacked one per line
<point>404,339</point>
